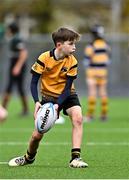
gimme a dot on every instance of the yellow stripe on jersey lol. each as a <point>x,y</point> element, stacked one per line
<point>100,58</point>
<point>38,67</point>
<point>73,71</point>
<point>54,72</point>
<point>100,43</point>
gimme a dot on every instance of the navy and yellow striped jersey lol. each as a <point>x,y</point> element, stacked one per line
<point>54,72</point>
<point>97,53</point>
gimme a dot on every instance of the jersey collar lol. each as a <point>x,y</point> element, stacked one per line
<point>52,54</point>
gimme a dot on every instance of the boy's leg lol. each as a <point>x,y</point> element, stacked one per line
<point>34,142</point>
<point>77,131</point>
<point>29,157</point>
<point>77,125</point>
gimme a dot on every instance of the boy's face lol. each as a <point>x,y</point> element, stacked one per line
<point>67,48</point>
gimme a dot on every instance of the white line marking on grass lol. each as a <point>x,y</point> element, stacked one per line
<point>64,179</point>
<point>96,130</point>
<point>107,144</point>
<point>13,143</point>
<point>1,163</point>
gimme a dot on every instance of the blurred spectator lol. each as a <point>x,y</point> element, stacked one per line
<point>18,57</point>
<point>96,62</point>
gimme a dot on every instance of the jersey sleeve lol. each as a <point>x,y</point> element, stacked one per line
<point>20,45</point>
<point>17,44</point>
<point>73,68</point>
<point>39,65</point>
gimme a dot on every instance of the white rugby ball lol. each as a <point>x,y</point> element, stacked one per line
<point>46,117</point>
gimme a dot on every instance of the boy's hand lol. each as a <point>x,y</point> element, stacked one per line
<point>56,108</point>
<point>37,106</point>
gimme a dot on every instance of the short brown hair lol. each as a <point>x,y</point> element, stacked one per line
<point>64,34</point>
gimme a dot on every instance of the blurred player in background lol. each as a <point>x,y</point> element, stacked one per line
<point>18,57</point>
<point>96,62</point>
<point>57,70</point>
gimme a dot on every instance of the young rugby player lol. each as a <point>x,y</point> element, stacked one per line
<point>97,60</point>
<point>57,70</point>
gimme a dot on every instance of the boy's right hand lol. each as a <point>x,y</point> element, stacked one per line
<point>37,107</point>
<point>56,106</point>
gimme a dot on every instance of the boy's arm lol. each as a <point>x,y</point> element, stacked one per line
<point>34,92</point>
<point>66,91</point>
<point>33,86</point>
<point>37,70</point>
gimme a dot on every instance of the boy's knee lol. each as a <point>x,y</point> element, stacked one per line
<point>36,137</point>
<point>77,119</point>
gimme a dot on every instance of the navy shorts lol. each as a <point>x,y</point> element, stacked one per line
<point>71,101</point>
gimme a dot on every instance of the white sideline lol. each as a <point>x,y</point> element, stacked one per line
<point>13,143</point>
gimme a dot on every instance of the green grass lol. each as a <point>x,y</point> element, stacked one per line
<point>106,161</point>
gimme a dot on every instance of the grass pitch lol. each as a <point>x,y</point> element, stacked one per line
<point>105,146</point>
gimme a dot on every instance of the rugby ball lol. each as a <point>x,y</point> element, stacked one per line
<point>46,117</point>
